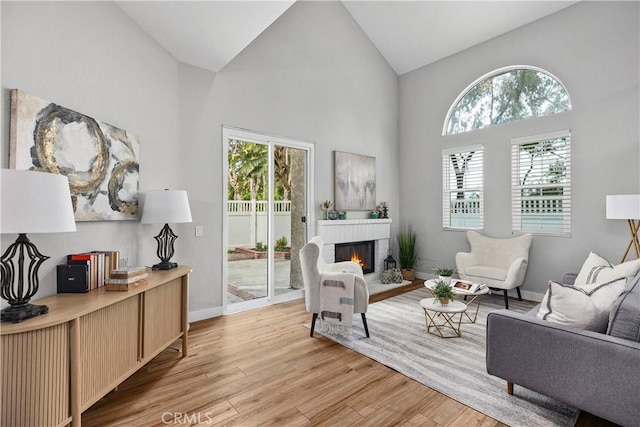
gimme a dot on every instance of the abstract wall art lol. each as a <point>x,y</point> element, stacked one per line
<point>355,181</point>
<point>100,160</point>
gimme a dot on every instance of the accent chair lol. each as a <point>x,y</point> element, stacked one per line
<point>313,265</point>
<point>498,263</point>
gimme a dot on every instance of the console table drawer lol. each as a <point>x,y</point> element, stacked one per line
<point>162,318</point>
<point>108,348</point>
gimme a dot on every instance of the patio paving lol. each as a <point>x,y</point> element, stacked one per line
<point>248,278</point>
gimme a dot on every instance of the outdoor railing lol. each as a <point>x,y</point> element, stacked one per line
<point>465,213</point>
<point>541,205</point>
<point>247,222</point>
<point>465,206</point>
<point>249,206</point>
<point>529,205</point>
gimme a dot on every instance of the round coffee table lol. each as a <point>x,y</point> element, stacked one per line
<point>475,297</point>
<point>434,310</point>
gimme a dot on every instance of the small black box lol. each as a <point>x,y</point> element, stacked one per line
<point>73,279</point>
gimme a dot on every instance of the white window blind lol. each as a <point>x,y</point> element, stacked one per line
<point>541,183</point>
<point>463,188</point>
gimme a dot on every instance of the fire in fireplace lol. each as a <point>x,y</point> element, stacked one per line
<point>361,252</point>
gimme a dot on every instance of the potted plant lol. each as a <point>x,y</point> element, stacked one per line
<point>444,273</point>
<point>443,292</point>
<point>342,215</point>
<point>326,205</point>
<point>282,250</point>
<point>407,252</point>
<point>373,214</point>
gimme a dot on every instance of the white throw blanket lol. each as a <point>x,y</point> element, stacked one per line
<point>336,302</point>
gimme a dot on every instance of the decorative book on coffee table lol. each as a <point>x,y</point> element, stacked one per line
<point>463,285</point>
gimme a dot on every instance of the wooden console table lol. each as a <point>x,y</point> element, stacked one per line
<point>57,365</point>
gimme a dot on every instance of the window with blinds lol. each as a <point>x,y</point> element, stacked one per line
<point>541,183</point>
<point>462,188</point>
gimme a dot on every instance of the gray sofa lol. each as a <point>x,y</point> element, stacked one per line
<point>595,372</point>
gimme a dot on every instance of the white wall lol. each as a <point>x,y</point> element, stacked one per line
<point>314,76</point>
<point>593,48</point>
<point>92,58</point>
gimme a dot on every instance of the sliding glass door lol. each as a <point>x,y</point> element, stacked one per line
<point>266,193</point>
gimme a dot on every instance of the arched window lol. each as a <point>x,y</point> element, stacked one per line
<point>505,95</point>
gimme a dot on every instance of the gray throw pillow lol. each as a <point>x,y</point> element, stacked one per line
<point>585,307</point>
<point>624,319</point>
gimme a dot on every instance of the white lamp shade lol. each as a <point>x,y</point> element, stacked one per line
<point>623,206</point>
<point>166,206</point>
<point>35,202</point>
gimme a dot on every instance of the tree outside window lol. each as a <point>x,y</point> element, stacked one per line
<point>541,189</point>
<point>506,96</point>
<point>462,188</point>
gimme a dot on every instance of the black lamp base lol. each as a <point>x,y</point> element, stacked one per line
<point>165,265</point>
<point>17,314</point>
<point>165,248</point>
<point>14,289</point>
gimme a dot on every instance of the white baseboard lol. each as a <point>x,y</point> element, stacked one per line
<point>531,296</point>
<point>207,313</point>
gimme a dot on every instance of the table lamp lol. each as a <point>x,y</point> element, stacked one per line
<point>31,202</point>
<point>166,206</point>
<point>626,206</point>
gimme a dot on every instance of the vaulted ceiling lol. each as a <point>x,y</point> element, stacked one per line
<point>409,34</point>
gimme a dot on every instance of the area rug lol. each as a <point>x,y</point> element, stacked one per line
<point>455,366</point>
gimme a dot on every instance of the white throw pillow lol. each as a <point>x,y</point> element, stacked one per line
<point>598,270</point>
<point>585,307</point>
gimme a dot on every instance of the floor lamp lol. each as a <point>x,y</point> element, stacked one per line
<point>626,206</point>
<point>164,207</point>
<point>31,202</point>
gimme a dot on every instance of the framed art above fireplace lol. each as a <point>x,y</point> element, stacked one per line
<point>355,182</point>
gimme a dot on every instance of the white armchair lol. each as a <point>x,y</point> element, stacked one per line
<point>312,268</point>
<point>498,263</point>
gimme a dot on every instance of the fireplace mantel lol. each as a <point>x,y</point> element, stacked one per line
<point>353,230</point>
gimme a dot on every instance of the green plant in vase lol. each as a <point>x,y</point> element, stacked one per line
<point>407,251</point>
<point>444,273</point>
<point>443,292</point>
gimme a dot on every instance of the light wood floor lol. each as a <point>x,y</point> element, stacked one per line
<point>261,368</point>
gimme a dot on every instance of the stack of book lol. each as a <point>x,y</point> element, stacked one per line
<point>125,278</point>
<point>98,264</point>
